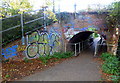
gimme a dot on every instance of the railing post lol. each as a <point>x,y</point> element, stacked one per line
<point>22,26</point>
<point>27,39</point>
<point>75,50</point>
<point>44,18</point>
<point>96,50</point>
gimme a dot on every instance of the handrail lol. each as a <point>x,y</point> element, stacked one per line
<point>10,17</point>
<point>75,44</point>
<point>19,14</point>
<point>33,20</point>
<point>20,18</point>
<point>10,28</point>
<point>20,25</point>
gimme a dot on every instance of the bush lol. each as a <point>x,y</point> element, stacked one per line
<point>111,65</point>
<point>115,78</point>
<point>60,55</point>
<point>68,54</point>
<point>57,55</point>
<point>105,56</point>
<point>44,59</point>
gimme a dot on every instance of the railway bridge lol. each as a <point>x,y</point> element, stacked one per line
<point>75,35</point>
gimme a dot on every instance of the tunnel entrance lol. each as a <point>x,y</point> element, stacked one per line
<point>82,36</point>
<point>87,40</point>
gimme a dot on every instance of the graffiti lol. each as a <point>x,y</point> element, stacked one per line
<point>84,23</point>
<point>21,48</point>
<point>39,44</point>
<point>10,52</point>
<point>13,51</point>
<point>42,44</point>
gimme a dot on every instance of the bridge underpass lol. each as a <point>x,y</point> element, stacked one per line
<point>84,40</point>
<point>81,68</point>
<point>37,44</point>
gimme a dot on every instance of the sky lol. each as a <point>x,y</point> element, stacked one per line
<point>68,5</point>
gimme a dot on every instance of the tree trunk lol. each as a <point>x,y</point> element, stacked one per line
<point>112,40</point>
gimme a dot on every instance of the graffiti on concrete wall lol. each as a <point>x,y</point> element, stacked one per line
<point>13,51</point>
<point>39,44</point>
<point>42,44</point>
<point>10,52</point>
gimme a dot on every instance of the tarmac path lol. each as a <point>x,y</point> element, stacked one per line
<point>81,68</point>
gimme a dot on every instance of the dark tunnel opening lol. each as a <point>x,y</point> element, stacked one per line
<point>81,37</point>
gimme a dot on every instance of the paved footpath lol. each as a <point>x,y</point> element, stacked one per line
<point>81,68</point>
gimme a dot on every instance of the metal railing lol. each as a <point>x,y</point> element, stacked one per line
<point>77,47</point>
<point>23,23</point>
<point>97,47</point>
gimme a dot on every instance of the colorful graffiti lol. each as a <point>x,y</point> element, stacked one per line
<point>42,44</point>
<point>21,48</point>
<point>13,51</point>
<point>86,22</point>
<point>39,44</point>
<point>10,52</point>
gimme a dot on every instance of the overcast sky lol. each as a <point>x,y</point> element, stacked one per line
<point>68,5</point>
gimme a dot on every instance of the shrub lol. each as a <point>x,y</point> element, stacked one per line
<point>68,54</point>
<point>115,78</point>
<point>105,56</point>
<point>111,65</point>
<point>60,55</point>
<point>44,59</point>
<point>57,55</point>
